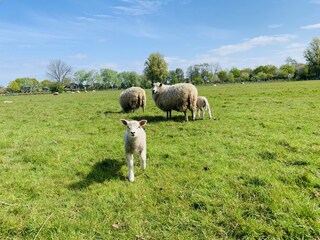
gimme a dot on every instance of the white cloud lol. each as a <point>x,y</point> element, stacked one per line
<point>139,7</point>
<point>315,1</point>
<point>250,44</point>
<point>224,57</point>
<point>86,19</point>
<point>312,26</point>
<point>275,26</point>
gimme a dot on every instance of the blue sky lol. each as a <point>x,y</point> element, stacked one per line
<point>121,34</point>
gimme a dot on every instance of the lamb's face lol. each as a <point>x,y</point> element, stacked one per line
<point>156,87</point>
<point>133,127</point>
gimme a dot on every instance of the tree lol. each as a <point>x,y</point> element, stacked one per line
<point>58,71</point>
<point>215,68</point>
<point>25,85</point>
<point>301,71</point>
<point>13,87</point>
<point>82,77</point>
<point>286,71</point>
<point>223,76</point>
<point>291,61</point>
<point>129,79</point>
<point>156,68</point>
<point>312,56</point>
<point>193,72</point>
<point>110,77</point>
<point>179,75</point>
<point>45,85</point>
<point>172,78</point>
<point>261,76</point>
<point>236,73</point>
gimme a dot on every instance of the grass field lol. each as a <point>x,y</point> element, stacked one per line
<point>251,172</point>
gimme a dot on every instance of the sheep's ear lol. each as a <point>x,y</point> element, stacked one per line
<point>143,122</point>
<point>160,85</point>
<point>124,122</point>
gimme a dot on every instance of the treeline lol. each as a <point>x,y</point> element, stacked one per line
<point>197,74</point>
<point>156,70</point>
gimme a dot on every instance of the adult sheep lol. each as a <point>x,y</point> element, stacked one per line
<point>179,97</point>
<point>133,98</point>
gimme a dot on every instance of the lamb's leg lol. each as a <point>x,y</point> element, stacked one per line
<point>202,113</point>
<point>129,157</point>
<point>143,159</point>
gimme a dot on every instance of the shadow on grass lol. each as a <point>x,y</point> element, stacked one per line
<point>153,119</point>
<point>102,171</point>
<point>111,112</point>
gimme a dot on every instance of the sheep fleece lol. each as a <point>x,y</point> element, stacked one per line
<point>176,97</point>
<point>132,98</point>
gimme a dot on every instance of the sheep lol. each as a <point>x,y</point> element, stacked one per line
<point>178,97</point>
<point>135,142</point>
<point>133,98</point>
<point>202,105</point>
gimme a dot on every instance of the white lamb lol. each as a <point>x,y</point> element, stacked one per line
<point>135,142</point>
<point>133,98</point>
<point>202,105</point>
<point>179,97</point>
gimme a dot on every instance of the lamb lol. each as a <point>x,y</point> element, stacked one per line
<point>133,98</point>
<point>135,142</point>
<point>202,105</point>
<point>179,97</point>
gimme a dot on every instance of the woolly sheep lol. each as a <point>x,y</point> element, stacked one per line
<point>203,105</point>
<point>179,97</point>
<point>133,98</point>
<point>135,142</point>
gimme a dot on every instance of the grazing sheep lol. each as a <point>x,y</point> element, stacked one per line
<point>135,142</point>
<point>133,98</point>
<point>202,105</point>
<point>178,97</point>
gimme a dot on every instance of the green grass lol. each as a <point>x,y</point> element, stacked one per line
<point>251,172</point>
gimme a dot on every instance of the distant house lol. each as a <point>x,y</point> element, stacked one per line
<point>72,87</point>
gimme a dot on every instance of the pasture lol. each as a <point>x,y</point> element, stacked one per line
<point>253,171</point>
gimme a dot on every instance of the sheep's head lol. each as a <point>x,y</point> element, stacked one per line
<point>156,88</point>
<point>133,127</point>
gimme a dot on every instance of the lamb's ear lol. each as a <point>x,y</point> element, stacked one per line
<point>143,122</point>
<point>124,122</point>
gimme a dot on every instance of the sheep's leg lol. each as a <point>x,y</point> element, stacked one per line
<point>129,157</point>
<point>143,159</point>
<point>199,112</point>
<point>168,114</point>
<point>194,113</point>
<point>202,113</point>
<point>186,115</point>
<point>209,112</point>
